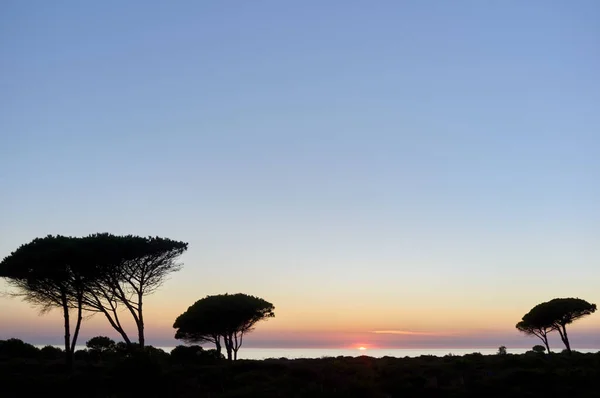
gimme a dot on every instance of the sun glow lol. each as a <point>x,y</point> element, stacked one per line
<point>361,348</point>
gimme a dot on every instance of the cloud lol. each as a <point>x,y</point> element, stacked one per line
<point>405,333</point>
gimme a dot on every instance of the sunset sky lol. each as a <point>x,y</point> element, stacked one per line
<point>428,170</point>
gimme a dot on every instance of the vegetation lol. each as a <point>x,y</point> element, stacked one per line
<point>532,330</point>
<point>128,268</point>
<point>50,272</point>
<point>554,315</point>
<point>222,316</point>
<point>194,372</point>
<point>97,273</point>
<point>101,344</point>
<point>108,274</point>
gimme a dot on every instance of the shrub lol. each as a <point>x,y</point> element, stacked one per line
<point>183,353</point>
<point>196,354</point>
<point>101,344</point>
<point>50,352</point>
<point>15,348</point>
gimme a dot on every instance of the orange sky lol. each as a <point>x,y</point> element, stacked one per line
<point>306,323</point>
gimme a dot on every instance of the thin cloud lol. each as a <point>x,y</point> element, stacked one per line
<point>405,333</point>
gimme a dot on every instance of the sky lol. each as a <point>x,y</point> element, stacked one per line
<point>426,169</point>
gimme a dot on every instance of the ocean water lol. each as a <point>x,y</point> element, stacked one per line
<point>296,353</point>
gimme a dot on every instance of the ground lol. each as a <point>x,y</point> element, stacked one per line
<point>160,375</point>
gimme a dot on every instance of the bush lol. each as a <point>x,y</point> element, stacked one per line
<point>101,344</point>
<point>122,350</point>
<point>156,353</point>
<point>82,355</point>
<point>195,354</point>
<point>15,348</point>
<point>183,353</point>
<point>50,352</point>
<point>211,356</point>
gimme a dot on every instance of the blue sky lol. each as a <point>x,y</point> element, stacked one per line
<point>402,159</point>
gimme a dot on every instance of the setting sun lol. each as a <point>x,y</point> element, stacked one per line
<point>362,348</point>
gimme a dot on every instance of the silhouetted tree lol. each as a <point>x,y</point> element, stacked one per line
<point>183,353</point>
<point>50,352</point>
<point>98,273</point>
<point>222,316</point>
<point>101,344</point>
<point>563,311</point>
<point>50,273</point>
<point>557,313</point>
<point>16,348</point>
<point>539,349</point>
<point>502,350</point>
<point>541,331</point>
<point>127,268</point>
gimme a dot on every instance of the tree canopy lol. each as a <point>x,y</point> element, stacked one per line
<point>51,272</point>
<point>127,269</point>
<point>538,348</point>
<point>222,316</point>
<point>555,314</point>
<point>101,344</point>
<point>97,273</point>
<point>540,331</point>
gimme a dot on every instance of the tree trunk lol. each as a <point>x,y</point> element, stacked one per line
<point>116,324</point>
<point>228,346</point>
<point>237,344</point>
<point>123,299</point>
<point>68,352</point>
<point>218,344</point>
<point>140,324</point>
<point>97,304</point>
<point>77,326</point>
<point>566,339</point>
<point>546,344</point>
<point>544,334</point>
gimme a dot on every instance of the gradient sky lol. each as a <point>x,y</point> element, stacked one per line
<point>428,167</point>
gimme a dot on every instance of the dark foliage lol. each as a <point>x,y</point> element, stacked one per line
<point>98,273</point>
<point>495,376</point>
<point>101,344</point>
<point>194,354</point>
<point>16,348</point>
<point>51,272</point>
<point>128,268</point>
<point>225,316</point>
<point>50,352</point>
<point>555,315</point>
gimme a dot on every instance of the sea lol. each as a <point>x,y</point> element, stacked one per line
<point>297,353</point>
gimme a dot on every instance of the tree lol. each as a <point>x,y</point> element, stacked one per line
<point>50,273</point>
<point>50,352</point>
<point>557,313</point>
<point>564,311</point>
<point>101,344</point>
<point>222,316</point>
<point>126,269</point>
<point>538,349</point>
<point>502,350</point>
<point>16,348</point>
<point>98,273</point>
<point>183,353</point>
<point>540,331</point>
